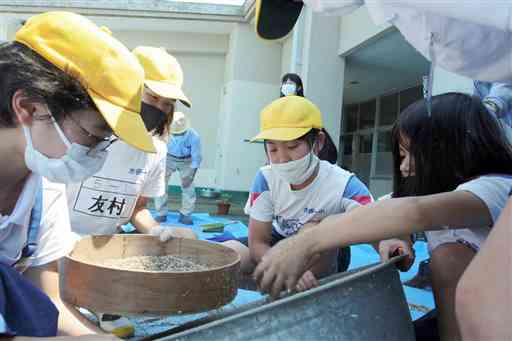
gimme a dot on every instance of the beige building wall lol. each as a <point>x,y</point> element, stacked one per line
<point>323,69</point>
<point>357,29</point>
<point>253,70</point>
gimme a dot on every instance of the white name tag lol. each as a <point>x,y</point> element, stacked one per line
<point>109,198</point>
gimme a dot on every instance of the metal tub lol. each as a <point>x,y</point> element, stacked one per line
<point>363,304</point>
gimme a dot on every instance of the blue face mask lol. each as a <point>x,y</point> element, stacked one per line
<point>289,89</point>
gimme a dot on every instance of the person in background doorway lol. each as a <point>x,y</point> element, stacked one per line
<point>291,85</point>
<point>184,156</point>
<point>120,191</point>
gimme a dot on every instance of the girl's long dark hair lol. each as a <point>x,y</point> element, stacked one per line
<point>458,142</point>
<point>329,152</point>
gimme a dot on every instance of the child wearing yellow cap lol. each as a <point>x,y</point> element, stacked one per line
<point>452,180</point>
<point>296,189</point>
<point>67,87</point>
<point>119,192</point>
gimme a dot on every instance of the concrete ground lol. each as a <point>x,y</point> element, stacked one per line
<point>208,205</point>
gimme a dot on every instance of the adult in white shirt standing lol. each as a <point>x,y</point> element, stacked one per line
<point>119,192</point>
<point>183,155</point>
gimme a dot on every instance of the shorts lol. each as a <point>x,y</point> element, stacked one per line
<point>472,238</point>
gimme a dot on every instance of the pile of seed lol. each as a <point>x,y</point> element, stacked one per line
<point>166,263</point>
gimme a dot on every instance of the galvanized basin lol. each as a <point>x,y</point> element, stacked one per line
<point>364,304</point>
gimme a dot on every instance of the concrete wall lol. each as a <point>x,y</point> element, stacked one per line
<point>357,29</point>
<point>253,71</point>
<point>323,69</point>
<point>286,55</point>
<point>205,78</point>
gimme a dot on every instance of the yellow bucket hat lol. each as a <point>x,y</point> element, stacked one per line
<point>288,118</point>
<point>163,72</point>
<point>104,66</point>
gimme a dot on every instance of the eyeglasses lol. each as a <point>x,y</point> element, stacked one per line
<point>102,143</point>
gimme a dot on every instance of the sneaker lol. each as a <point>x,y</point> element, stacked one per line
<point>185,219</point>
<point>117,325</point>
<point>161,218</point>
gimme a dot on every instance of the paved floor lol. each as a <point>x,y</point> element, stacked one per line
<point>205,205</point>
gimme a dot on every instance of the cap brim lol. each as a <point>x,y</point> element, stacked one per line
<point>276,18</point>
<point>127,125</point>
<point>167,90</point>
<point>281,134</point>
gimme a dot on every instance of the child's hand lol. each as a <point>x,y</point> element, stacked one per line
<point>390,246</point>
<point>169,232</point>
<point>282,266</point>
<point>307,281</point>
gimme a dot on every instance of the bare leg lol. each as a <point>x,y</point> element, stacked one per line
<point>484,293</point>
<point>447,264</point>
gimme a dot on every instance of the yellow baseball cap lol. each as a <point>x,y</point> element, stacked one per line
<point>163,72</point>
<point>288,118</point>
<point>104,66</point>
<point>276,18</point>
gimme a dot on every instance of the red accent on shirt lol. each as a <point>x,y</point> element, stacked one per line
<point>362,199</point>
<point>254,196</point>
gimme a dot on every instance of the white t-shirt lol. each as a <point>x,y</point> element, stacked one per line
<point>494,191</point>
<point>333,191</point>
<point>54,236</point>
<point>105,201</point>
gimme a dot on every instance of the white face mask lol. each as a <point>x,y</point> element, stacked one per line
<point>79,162</point>
<point>334,7</point>
<point>289,89</point>
<point>298,171</point>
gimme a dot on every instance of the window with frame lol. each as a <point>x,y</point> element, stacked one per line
<point>366,133</point>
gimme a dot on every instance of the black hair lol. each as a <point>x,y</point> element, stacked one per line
<point>329,152</point>
<point>458,142</point>
<point>326,153</point>
<point>163,128</point>
<point>41,82</point>
<point>297,80</point>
